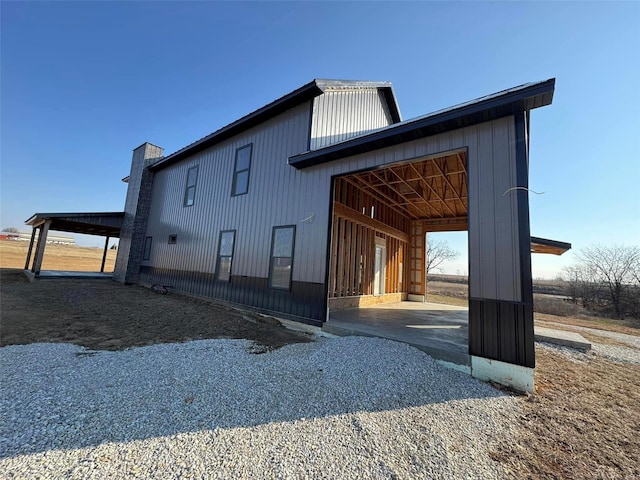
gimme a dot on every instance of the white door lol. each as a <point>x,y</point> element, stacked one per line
<point>378,278</point>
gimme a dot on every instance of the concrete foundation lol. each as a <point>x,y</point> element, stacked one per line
<point>514,376</point>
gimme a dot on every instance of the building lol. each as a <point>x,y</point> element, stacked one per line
<point>321,200</point>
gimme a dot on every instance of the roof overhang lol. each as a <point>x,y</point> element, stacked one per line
<point>303,94</point>
<point>501,104</point>
<point>89,223</point>
<point>544,245</point>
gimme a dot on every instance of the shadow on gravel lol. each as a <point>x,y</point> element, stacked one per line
<point>59,397</point>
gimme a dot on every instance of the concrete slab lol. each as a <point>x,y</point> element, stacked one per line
<point>50,274</point>
<point>561,337</point>
<point>439,330</point>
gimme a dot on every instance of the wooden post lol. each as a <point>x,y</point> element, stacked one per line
<point>104,254</point>
<point>42,241</point>
<point>33,238</point>
<point>417,261</point>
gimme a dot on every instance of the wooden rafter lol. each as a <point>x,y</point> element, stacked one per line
<point>435,192</point>
<point>431,189</point>
<point>400,193</point>
<point>453,189</point>
<point>376,194</point>
<point>421,195</point>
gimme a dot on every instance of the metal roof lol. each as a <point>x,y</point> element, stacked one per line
<point>90,223</point>
<point>507,102</point>
<point>303,94</point>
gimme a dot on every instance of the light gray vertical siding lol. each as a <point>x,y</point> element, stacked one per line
<point>278,195</point>
<point>494,267</point>
<point>345,113</point>
<point>282,195</point>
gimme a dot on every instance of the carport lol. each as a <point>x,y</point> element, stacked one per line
<point>104,224</point>
<point>438,329</point>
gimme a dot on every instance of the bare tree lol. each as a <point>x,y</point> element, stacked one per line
<point>614,268</point>
<point>582,287</point>
<point>11,230</point>
<point>438,252</point>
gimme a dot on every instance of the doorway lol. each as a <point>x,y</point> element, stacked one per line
<point>379,273</point>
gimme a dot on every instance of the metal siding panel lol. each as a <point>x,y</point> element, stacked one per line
<point>282,195</point>
<point>474,224</point>
<point>484,242</point>
<point>342,114</point>
<point>503,210</point>
<point>252,215</point>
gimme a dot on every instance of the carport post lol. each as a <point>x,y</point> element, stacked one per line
<point>104,254</point>
<point>42,241</point>
<point>33,238</point>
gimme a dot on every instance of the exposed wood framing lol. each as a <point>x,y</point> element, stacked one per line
<point>426,189</point>
<point>357,217</point>
<point>417,278</point>
<point>399,203</point>
<point>458,224</point>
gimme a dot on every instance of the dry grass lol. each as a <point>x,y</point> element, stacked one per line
<point>583,422</point>
<point>435,298</point>
<point>611,325</point>
<point>57,257</point>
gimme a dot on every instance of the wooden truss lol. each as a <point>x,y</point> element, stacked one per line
<point>398,204</point>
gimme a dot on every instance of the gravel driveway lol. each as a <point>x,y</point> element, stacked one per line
<point>348,407</point>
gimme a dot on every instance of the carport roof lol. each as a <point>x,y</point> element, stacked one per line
<point>89,223</point>
<point>544,245</point>
<point>501,104</point>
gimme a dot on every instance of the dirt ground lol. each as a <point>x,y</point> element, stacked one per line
<point>105,315</point>
<point>57,257</point>
<point>582,423</point>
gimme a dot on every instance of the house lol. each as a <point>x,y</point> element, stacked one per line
<point>321,200</point>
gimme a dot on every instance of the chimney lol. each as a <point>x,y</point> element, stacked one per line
<point>136,211</point>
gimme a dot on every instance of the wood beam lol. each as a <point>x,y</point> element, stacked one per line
<point>416,192</point>
<point>458,224</point>
<point>435,192</point>
<point>104,254</point>
<point>453,189</point>
<point>374,192</point>
<point>357,217</point>
<point>42,242</point>
<point>33,237</point>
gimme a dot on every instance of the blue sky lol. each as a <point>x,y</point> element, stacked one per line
<point>82,84</point>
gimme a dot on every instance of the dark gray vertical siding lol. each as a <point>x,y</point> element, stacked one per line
<point>345,113</point>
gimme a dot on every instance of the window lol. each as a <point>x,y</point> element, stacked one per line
<point>190,190</point>
<point>146,253</point>
<point>173,239</point>
<point>225,255</point>
<point>241,170</point>
<point>281,265</point>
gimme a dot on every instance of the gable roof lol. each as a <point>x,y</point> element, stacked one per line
<point>501,104</point>
<point>303,94</point>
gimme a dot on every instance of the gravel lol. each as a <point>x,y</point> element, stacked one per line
<point>348,407</point>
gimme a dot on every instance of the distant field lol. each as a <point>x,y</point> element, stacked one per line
<point>57,257</point>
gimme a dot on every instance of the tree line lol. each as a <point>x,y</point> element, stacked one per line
<point>606,280</point>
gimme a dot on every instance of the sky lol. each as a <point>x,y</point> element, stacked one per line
<point>84,83</point>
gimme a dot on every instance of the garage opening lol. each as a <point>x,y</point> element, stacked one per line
<point>377,272</point>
